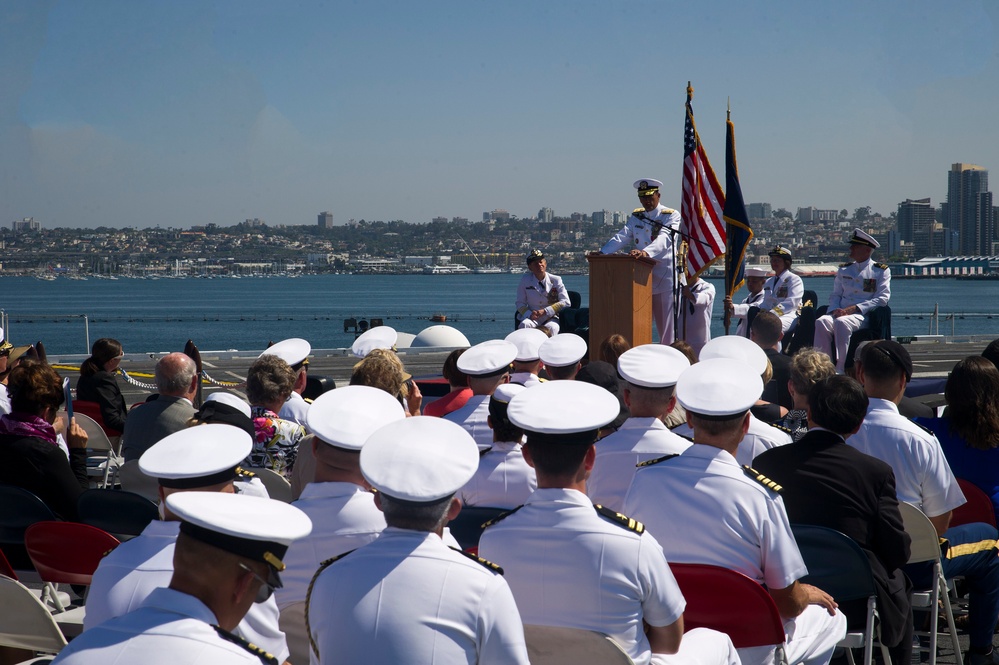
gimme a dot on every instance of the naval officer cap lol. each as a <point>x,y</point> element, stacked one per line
<point>719,387</point>
<point>647,186</point>
<point>652,365</point>
<point>562,350</point>
<point>499,401</point>
<point>252,527</point>
<point>757,271</point>
<point>227,409</point>
<point>861,238</point>
<point>379,337</point>
<point>293,351</point>
<point>420,459</point>
<point>736,347</point>
<point>563,411</point>
<point>527,341</point>
<point>488,358</point>
<point>347,416</point>
<point>5,345</point>
<point>197,456</point>
<point>781,251</point>
<point>534,255</point>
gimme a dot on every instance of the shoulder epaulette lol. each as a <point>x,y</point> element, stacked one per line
<point>482,453</point>
<point>883,266</point>
<point>308,598</point>
<point>781,428</point>
<point>502,516</point>
<point>264,657</point>
<point>637,210</point>
<point>848,263</point>
<point>650,462</point>
<point>668,211</point>
<point>684,436</point>
<point>308,400</point>
<point>761,479</point>
<point>243,473</point>
<point>618,518</point>
<point>485,563</point>
<point>923,427</point>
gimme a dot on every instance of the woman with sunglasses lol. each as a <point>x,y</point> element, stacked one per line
<point>97,382</point>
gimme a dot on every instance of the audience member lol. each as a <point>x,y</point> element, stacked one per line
<point>457,381</point>
<point>487,366</point>
<point>269,382</point>
<point>97,382</point>
<point>177,382</point>
<point>766,332</point>
<point>612,348</point>
<point>808,367</point>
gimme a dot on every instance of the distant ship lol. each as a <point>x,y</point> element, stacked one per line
<point>488,270</point>
<point>446,269</point>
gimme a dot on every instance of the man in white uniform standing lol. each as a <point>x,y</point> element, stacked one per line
<point>725,515</point>
<point>860,286</point>
<point>649,233</point>
<point>540,296</point>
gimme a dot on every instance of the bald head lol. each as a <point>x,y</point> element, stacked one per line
<point>176,375</point>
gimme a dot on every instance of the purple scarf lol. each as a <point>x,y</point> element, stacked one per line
<point>25,424</point>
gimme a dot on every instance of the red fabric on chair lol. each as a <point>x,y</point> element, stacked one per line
<point>977,509</point>
<point>67,552</point>
<point>93,409</point>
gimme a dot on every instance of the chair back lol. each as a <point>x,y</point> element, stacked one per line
<point>555,645</point>
<point>93,411</point>
<point>467,526</point>
<point>97,438</point>
<point>977,509</point>
<point>21,509</point>
<point>5,568</point>
<point>67,552</point>
<point>120,513</point>
<point>836,563</point>
<point>24,622</point>
<point>730,602</point>
<point>277,486</point>
<point>133,480</point>
<point>925,541</point>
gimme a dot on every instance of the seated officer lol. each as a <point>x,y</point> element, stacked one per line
<point>487,366</point>
<point>527,364</point>
<point>540,296</point>
<point>571,563</point>
<point>726,515</point>
<point>227,558</point>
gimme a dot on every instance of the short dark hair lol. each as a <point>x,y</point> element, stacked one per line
<point>884,360</point>
<point>454,376</point>
<point>33,386</point>
<point>557,459</point>
<point>414,516</point>
<point>563,373</point>
<point>991,352</point>
<point>503,429</point>
<point>715,425</point>
<point>767,328</point>
<point>838,403</point>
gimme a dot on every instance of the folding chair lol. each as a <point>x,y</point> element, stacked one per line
<point>467,526</point>
<point>8,571</point>
<point>21,509</point>
<point>102,457</point>
<point>25,623</point>
<point>732,603</point>
<point>926,547</point>
<point>93,411</point>
<point>67,552</point>
<point>278,487</point>
<point>554,645</point>
<point>132,479</point>
<point>837,565</point>
<point>977,509</point>
<point>122,514</point>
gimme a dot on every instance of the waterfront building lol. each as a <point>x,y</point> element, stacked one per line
<point>916,224</point>
<point>969,208</point>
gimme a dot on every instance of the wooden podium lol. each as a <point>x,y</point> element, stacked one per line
<point>620,299</point>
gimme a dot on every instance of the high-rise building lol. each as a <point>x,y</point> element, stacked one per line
<point>968,211</point>
<point>916,224</point>
<point>26,224</point>
<point>546,215</point>
<point>759,211</point>
<point>602,217</point>
<point>326,220</point>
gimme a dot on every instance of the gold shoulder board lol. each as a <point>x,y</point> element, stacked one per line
<point>650,462</point>
<point>619,519</point>
<point>266,658</point>
<point>761,479</point>
<point>485,563</point>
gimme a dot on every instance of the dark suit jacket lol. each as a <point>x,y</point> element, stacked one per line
<point>828,483</point>
<point>150,422</point>
<point>101,387</point>
<point>776,390</point>
<point>42,468</point>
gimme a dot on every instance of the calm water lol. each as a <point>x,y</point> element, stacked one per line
<point>160,315</point>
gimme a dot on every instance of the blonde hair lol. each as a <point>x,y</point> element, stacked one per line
<point>808,367</point>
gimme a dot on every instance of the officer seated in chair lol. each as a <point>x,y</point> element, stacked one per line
<point>540,296</point>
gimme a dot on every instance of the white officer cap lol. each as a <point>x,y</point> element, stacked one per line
<point>652,365</point>
<point>757,271</point>
<point>230,400</point>
<point>562,350</point>
<point>491,357</point>
<point>719,387</point>
<point>861,238</point>
<point>420,459</point>
<point>506,392</point>
<point>293,351</point>
<point>647,186</point>
<point>736,347</point>
<point>379,337</point>
<point>197,456</point>
<point>528,341</point>
<point>347,416</point>
<point>4,344</point>
<point>562,407</point>
<point>248,526</point>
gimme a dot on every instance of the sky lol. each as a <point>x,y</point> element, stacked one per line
<point>149,113</point>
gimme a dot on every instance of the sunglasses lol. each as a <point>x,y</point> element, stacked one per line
<point>265,590</point>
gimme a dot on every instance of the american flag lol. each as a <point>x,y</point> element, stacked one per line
<point>702,202</point>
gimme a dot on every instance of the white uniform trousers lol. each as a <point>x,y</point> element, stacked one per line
<point>811,638</point>
<point>701,646</point>
<point>828,329</point>
<point>551,325</point>
<point>662,314</point>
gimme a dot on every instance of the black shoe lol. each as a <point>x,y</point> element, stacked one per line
<point>991,658</point>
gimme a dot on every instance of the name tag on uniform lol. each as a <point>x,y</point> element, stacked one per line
<point>870,285</point>
<point>782,292</point>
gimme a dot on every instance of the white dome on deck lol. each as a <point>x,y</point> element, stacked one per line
<point>440,336</point>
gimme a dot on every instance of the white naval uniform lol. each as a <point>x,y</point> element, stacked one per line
<point>867,285</point>
<point>473,417</point>
<point>922,475</point>
<point>525,379</point>
<point>568,566</point>
<point>344,517</point>
<point>170,627</point>
<point>295,409</point>
<point>532,295</point>
<point>138,567</point>
<point>503,479</point>
<point>638,234</point>
<point>720,516</point>
<point>741,311</point>
<point>759,438</point>
<point>695,317</point>
<point>782,295</point>
<point>637,440</point>
<point>408,598</point>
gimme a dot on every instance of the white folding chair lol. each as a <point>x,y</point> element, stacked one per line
<point>102,459</point>
<point>133,480</point>
<point>926,547</point>
<point>277,486</point>
<point>25,623</point>
<point>554,645</point>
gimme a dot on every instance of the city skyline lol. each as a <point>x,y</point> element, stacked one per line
<point>189,113</point>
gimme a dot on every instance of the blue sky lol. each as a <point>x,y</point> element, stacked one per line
<point>148,112</point>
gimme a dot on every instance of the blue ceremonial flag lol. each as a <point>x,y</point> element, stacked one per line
<point>738,232</point>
